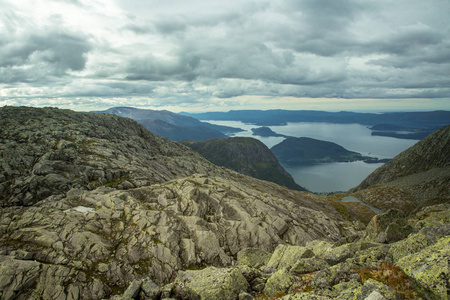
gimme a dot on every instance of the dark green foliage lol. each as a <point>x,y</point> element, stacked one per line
<point>306,151</point>
<point>247,156</point>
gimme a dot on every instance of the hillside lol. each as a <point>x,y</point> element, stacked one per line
<point>305,151</point>
<point>171,125</point>
<point>415,177</point>
<point>247,156</point>
<point>94,203</point>
<point>179,133</point>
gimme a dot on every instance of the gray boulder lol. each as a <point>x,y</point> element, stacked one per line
<point>210,283</point>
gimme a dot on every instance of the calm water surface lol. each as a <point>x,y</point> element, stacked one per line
<point>334,176</point>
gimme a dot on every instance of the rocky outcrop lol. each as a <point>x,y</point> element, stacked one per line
<point>47,152</point>
<point>398,270</point>
<point>416,177</point>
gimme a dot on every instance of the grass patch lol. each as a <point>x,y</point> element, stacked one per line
<point>392,276</point>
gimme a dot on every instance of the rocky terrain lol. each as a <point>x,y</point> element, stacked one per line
<point>174,226</point>
<point>416,177</point>
<point>47,152</point>
<point>247,156</point>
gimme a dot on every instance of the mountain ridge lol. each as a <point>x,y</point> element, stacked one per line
<point>424,120</point>
<point>416,176</point>
<point>177,127</point>
<point>305,151</point>
<point>247,156</point>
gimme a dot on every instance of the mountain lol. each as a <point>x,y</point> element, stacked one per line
<point>418,176</point>
<point>305,151</point>
<point>247,156</point>
<point>171,125</point>
<point>178,133</point>
<point>423,120</point>
<point>95,206</point>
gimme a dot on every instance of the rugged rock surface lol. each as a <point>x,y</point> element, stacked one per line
<point>247,156</point>
<point>197,236</point>
<point>416,177</point>
<point>130,208</point>
<point>45,152</point>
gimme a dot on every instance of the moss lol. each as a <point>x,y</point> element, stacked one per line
<point>392,276</point>
<point>114,183</point>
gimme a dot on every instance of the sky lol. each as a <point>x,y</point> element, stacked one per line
<point>205,55</point>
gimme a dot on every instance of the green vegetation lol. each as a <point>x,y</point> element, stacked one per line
<point>245,155</point>
<point>308,151</point>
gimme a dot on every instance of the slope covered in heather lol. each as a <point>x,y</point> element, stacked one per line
<point>418,176</point>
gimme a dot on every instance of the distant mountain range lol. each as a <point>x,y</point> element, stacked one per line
<point>171,125</point>
<point>429,120</point>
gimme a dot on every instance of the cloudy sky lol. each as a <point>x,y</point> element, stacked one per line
<point>218,55</point>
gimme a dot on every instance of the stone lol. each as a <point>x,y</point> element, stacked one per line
<point>211,283</point>
<point>395,232</point>
<point>278,283</point>
<point>150,290</point>
<point>308,265</point>
<point>253,257</point>
<point>133,289</point>
<point>327,278</point>
<point>304,296</point>
<point>16,276</point>
<point>245,296</point>
<point>374,290</point>
<point>388,227</point>
<point>286,256</point>
<point>428,269</point>
<point>339,254</point>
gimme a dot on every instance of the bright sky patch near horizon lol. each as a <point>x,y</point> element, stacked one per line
<point>360,55</point>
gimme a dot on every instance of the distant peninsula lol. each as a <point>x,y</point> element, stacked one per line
<point>308,151</point>
<point>267,132</point>
<point>400,132</point>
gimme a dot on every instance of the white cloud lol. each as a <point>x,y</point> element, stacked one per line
<point>204,52</point>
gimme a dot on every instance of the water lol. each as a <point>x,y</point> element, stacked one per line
<point>331,177</point>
